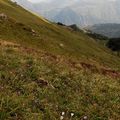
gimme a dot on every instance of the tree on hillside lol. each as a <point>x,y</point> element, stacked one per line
<point>96,35</point>
<point>114,44</point>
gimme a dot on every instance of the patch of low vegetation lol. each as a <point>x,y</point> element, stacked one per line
<point>114,44</point>
<point>74,27</point>
<point>30,30</point>
<point>42,86</point>
<point>97,36</point>
<point>50,72</point>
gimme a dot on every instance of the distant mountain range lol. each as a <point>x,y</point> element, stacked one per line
<point>80,12</point>
<point>109,30</point>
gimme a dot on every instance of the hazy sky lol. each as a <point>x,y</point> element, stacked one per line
<point>50,0</point>
<point>36,0</point>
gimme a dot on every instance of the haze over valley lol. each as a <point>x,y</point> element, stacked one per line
<point>80,12</point>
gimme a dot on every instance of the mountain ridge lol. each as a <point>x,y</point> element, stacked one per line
<point>96,12</point>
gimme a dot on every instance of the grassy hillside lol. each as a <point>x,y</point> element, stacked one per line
<point>46,69</point>
<point>50,37</point>
<point>35,85</point>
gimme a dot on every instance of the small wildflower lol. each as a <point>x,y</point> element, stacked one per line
<point>61,117</point>
<point>18,92</point>
<point>85,118</point>
<point>22,75</point>
<point>23,105</point>
<point>72,114</point>
<point>61,45</point>
<point>63,113</point>
<point>36,101</point>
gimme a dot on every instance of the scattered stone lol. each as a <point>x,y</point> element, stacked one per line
<point>30,30</point>
<point>85,118</point>
<point>61,45</point>
<point>33,31</point>
<point>3,16</point>
<point>42,83</point>
<point>61,117</point>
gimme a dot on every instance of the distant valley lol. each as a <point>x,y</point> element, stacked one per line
<point>109,30</point>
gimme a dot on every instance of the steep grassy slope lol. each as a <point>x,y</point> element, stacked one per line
<point>46,69</point>
<point>20,26</point>
<point>35,85</point>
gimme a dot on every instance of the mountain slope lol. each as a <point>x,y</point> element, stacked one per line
<point>38,85</point>
<point>92,12</point>
<point>67,16</point>
<point>36,32</point>
<point>47,70</point>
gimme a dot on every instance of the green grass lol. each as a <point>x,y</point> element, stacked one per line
<point>50,36</point>
<point>68,89</point>
<point>40,79</point>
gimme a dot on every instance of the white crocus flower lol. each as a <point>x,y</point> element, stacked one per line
<point>61,117</point>
<point>72,114</point>
<point>85,117</point>
<point>63,113</point>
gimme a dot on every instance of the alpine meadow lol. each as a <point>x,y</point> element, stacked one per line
<point>53,71</point>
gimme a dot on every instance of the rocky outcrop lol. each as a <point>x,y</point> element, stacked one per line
<point>3,16</point>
